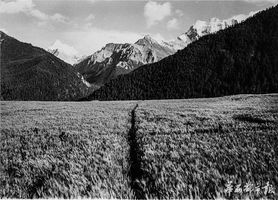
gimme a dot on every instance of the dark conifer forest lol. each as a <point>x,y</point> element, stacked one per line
<point>31,73</point>
<point>237,60</point>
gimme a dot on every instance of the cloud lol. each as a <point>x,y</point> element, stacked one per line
<point>179,12</point>
<point>29,8</point>
<point>172,24</point>
<point>16,6</point>
<point>59,18</point>
<point>38,14</point>
<point>90,17</point>
<point>155,12</point>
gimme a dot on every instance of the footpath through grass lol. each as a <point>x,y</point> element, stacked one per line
<point>161,149</point>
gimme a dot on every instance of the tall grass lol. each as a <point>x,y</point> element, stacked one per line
<point>192,148</point>
<point>65,150</point>
<point>180,148</point>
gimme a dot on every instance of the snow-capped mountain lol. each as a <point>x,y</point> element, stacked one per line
<point>115,59</point>
<point>201,28</point>
<point>65,52</point>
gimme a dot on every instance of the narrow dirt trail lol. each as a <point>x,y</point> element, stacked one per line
<point>135,172</point>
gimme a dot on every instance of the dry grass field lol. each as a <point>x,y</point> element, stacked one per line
<point>62,149</point>
<point>148,149</point>
<point>192,148</point>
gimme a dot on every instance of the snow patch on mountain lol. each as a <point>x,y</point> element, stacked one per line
<point>83,80</point>
<point>65,52</point>
<point>114,59</point>
<point>201,28</point>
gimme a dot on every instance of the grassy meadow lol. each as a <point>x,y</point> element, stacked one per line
<point>62,149</point>
<point>158,149</point>
<point>192,148</point>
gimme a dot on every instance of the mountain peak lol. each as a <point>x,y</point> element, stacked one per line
<point>201,28</point>
<point>175,76</point>
<point>64,51</point>
<point>147,37</point>
<point>146,40</point>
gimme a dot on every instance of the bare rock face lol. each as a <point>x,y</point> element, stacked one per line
<point>115,59</point>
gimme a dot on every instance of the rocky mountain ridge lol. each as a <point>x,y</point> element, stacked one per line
<point>202,28</point>
<point>241,59</point>
<point>116,59</point>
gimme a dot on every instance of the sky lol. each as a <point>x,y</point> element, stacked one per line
<point>85,26</point>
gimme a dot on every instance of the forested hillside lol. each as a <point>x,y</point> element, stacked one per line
<point>240,59</point>
<point>31,73</point>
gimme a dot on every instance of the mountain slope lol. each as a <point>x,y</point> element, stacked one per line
<point>202,28</point>
<point>115,59</point>
<point>240,59</point>
<point>31,73</point>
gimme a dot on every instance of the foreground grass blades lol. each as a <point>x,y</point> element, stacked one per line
<point>157,149</point>
<point>64,150</point>
<point>192,148</point>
